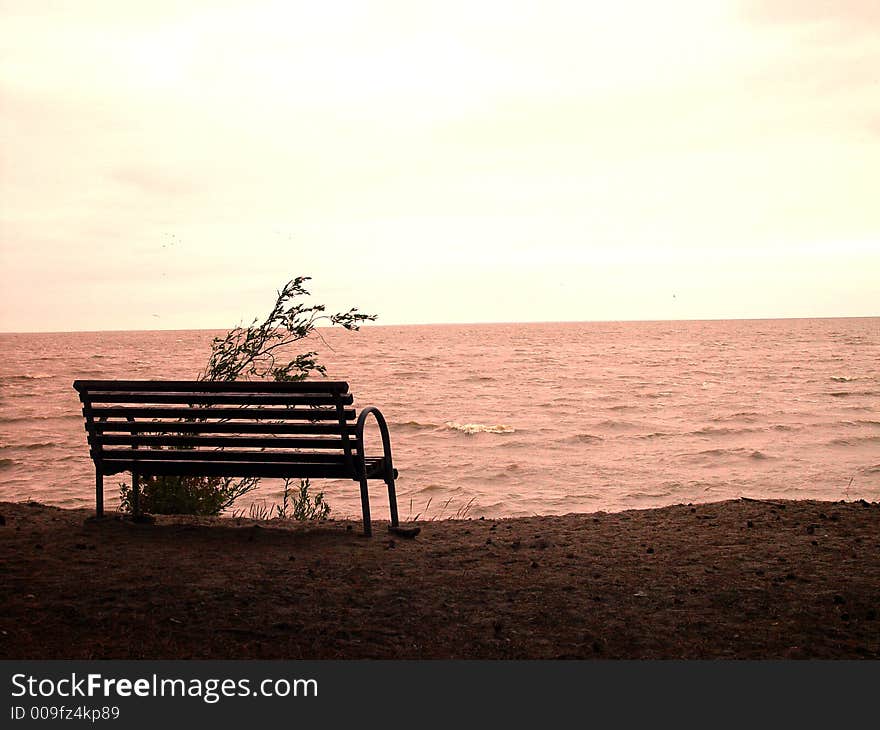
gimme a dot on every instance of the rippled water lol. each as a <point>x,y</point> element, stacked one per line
<point>521,418</point>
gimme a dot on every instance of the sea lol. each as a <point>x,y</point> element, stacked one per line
<point>505,420</point>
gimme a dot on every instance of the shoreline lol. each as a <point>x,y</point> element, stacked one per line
<point>748,579</point>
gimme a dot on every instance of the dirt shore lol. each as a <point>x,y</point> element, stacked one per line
<point>736,579</point>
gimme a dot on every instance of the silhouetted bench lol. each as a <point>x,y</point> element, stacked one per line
<point>238,429</point>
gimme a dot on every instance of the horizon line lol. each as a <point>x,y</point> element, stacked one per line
<point>458,324</point>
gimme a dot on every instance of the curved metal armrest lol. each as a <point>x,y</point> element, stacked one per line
<point>386,438</point>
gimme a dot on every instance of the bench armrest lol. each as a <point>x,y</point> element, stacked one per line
<point>386,439</point>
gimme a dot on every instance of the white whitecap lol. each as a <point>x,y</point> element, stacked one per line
<point>472,428</point>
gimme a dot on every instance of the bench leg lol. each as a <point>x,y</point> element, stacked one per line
<point>392,502</point>
<point>365,507</point>
<point>99,494</point>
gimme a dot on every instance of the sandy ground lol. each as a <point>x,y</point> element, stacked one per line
<point>738,579</point>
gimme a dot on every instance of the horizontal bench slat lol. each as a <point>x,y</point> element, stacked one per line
<point>300,386</point>
<point>219,441</point>
<point>227,469</point>
<point>218,427</point>
<point>280,414</point>
<point>250,399</point>
<point>279,457</point>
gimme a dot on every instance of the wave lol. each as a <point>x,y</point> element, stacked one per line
<point>616,425</point>
<point>585,438</point>
<point>713,431</point>
<point>739,452</point>
<point>842,379</point>
<point>709,431</point>
<point>655,435</point>
<point>656,494</point>
<point>740,416</point>
<point>6,463</point>
<point>19,419</point>
<point>847,393</point>
<point>855,441</point>
<point>468,428</point>
<point>43,445</point>
<point>472,428</point>
<point>37,376</point>
<point>417,426</point>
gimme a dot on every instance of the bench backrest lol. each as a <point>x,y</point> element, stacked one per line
<point>248,422</point>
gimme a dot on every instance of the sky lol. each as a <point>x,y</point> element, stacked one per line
<point>169,165</point>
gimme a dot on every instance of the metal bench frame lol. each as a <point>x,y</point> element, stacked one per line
<point>156,428</point>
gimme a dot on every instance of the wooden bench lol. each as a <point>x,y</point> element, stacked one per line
<point>299,430</point>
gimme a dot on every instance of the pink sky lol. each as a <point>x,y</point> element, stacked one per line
<point>169,165</point>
